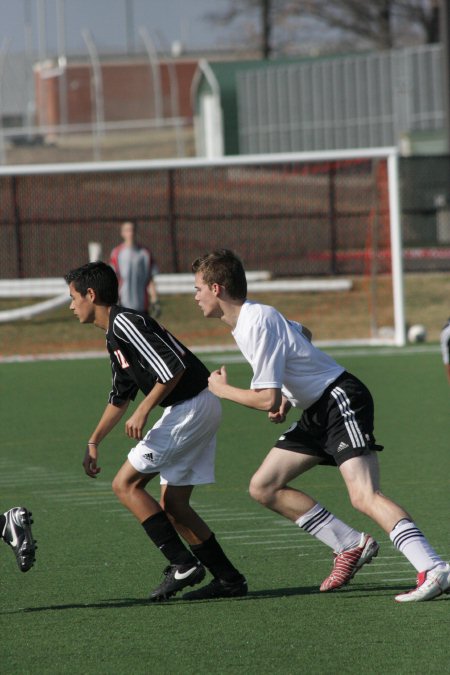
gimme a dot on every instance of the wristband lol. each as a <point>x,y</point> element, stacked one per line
<point>92,443</point>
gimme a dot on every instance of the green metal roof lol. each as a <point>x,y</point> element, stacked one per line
<point>225,72</point>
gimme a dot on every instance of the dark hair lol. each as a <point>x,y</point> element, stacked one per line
<point>225,268</point>
<point>96,275</point>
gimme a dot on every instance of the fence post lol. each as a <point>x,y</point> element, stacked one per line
<point>18,238</point>
<point>332,216</point>
<point>173,220</point>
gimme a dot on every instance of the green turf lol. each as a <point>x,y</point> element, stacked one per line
<point>82,608</point>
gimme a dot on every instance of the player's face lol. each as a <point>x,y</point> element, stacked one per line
<point>82,305</point>
<point>128,232</point>
<point>206,298</point>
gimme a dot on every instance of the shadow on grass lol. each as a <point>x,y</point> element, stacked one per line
<point>349,593</point>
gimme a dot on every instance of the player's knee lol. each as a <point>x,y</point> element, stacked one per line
<point>170,506</point>
<point>119,487</point>
<point>362,501</point>
<point>116,486</point>
<point>260,492</point>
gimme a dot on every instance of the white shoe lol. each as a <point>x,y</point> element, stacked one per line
<point>430,584</point>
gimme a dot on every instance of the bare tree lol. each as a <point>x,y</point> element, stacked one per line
<point>382,24</point>
<point>379,24</point>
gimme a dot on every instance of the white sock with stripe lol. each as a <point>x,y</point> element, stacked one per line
<point>410,541</point>
<point>328,529</point>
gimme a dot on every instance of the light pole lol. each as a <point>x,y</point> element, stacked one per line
<point>444,27</point>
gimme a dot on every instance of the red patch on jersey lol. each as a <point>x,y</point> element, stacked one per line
<point>121,359</point>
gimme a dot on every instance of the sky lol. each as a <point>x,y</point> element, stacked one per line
<point>33,25</point>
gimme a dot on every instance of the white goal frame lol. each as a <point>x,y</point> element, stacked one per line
<point>390,154</point>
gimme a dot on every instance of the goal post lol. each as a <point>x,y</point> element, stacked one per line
<point>396,250</point>
<point>310,216</point>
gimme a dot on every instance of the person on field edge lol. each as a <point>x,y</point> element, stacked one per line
<point>136,269</point>
<point>336,428</point>
<point>180,446</point>
<point>445,348</point>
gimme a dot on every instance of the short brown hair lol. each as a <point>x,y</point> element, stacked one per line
<point>225,268</point>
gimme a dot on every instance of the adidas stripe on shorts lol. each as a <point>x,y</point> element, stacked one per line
<point>336,427</point>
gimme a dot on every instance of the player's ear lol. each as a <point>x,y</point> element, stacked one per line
<point>91,294</point>
<point>218,290</point>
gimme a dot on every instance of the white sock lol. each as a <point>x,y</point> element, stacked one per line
<point>328,529</point>
<point>409,540</point>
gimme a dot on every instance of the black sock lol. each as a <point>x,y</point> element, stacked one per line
<point>210,553</point>
<point>2,523</point>
<point>165,537</point>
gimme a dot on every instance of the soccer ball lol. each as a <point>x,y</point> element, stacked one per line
<point>417,333</point>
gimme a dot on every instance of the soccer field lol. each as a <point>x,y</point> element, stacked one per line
<point>83,609</point>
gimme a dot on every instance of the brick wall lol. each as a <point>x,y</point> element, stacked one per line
<point>127,91</point>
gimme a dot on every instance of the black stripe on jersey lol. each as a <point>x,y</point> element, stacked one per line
<point>151,355</point>
<point>353,430</point>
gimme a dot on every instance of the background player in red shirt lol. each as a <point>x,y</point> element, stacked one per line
<point>135,267</point>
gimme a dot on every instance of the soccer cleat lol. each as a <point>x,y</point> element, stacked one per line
<point>429,585</point>
<point>177,577</point>
<point>219,588</point>
<point>17,534</point>
<point>347,563</point>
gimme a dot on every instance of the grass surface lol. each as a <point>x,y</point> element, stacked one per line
<point>83,609</point>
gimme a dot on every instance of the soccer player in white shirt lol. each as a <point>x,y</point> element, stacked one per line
<point>336,428</point>
<point>445,348</point>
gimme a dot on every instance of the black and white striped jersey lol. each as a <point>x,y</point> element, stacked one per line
<point>143,353</point>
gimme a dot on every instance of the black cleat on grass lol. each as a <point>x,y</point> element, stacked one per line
<point>219,588</point>
<point>177,577</point>
<point>17,534</point>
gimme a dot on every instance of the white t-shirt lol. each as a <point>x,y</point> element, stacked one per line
<point>281,356</point>
<point>445,343</point>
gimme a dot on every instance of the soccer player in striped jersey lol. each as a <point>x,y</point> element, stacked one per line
<point>445,348</point>
<point>180,446</point>
<point>336,428</point>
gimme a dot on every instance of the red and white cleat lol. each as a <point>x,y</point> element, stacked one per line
<point>347,563</point>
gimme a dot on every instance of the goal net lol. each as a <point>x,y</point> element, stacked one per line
<point>326,226</point>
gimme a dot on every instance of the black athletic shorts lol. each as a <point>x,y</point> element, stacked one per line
<point>336,427</point>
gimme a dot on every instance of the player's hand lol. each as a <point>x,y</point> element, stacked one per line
<point>277,417</point>
<point>90,461</point>
<point>217,380</point>
<point>135,425</point>
<point>155,309</point>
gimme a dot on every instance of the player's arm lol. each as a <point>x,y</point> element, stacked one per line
<point>136,423</point>
<point>279,416</point>
<point>268,400</point>
<point>447,370</point>
<point>111,416</point>
<point>151,290</point>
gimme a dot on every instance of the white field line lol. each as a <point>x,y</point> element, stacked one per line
<point>223,353</point>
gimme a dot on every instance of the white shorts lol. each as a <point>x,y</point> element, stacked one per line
<point>181,446</point>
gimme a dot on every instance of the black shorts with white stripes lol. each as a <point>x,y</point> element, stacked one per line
<point>336,427</point>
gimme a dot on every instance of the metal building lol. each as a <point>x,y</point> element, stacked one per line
<point>378,99</point>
